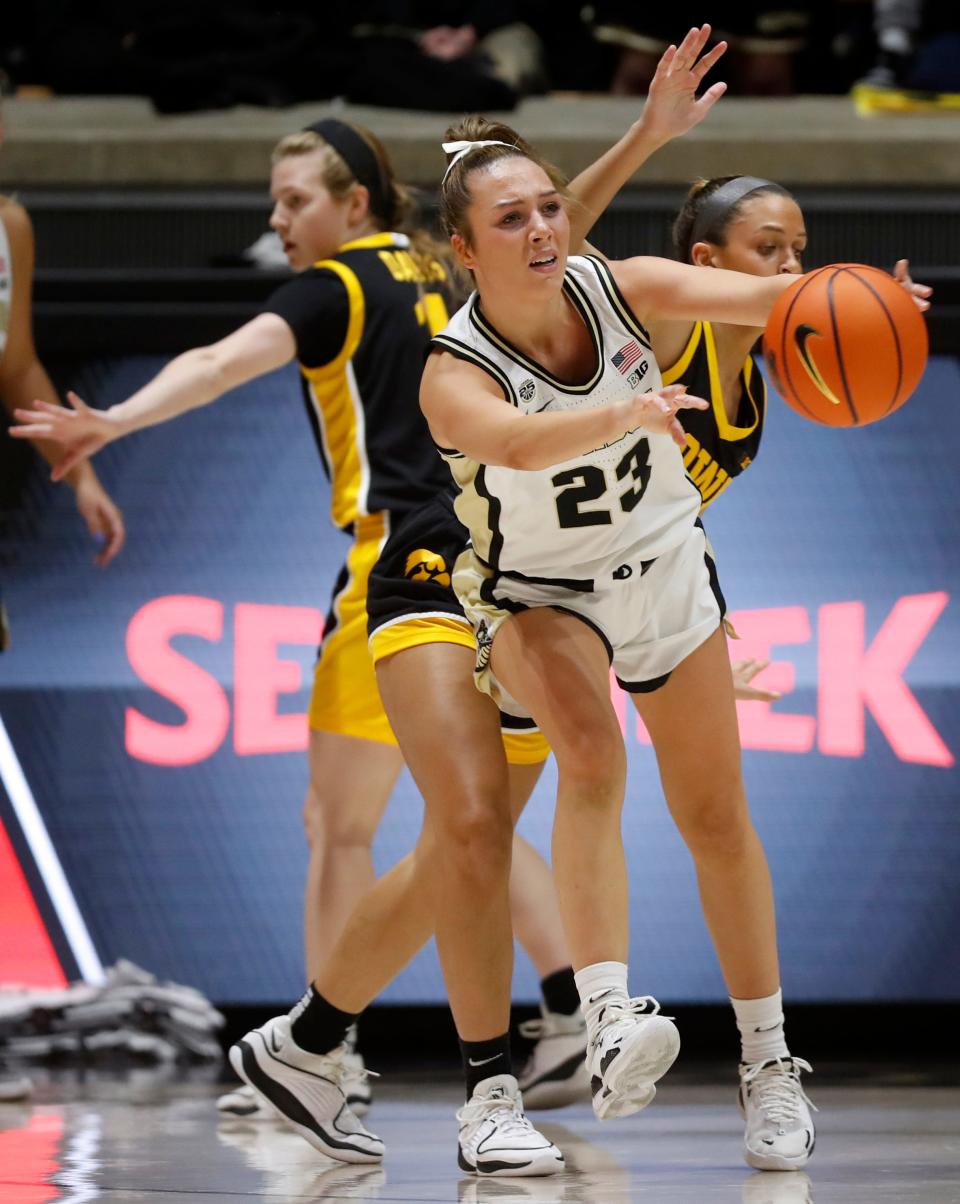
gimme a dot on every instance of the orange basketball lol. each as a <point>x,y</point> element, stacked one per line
<point>846,346</point>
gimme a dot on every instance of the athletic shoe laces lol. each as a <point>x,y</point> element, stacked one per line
<point>627,1009</point>
<point>775,1085</point>
<point>342,1064</point>
<point>502,1109</point>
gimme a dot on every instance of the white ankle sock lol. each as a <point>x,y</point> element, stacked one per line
<point>599,985</point>
<point>760,1022</point>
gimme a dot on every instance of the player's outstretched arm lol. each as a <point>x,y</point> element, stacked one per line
<point>671,109</point>
<point>193,379</point>
<point>664,289</point>
<point>465,412</point>
<point>23,378</point>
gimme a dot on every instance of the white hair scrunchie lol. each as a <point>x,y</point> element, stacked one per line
<point>459,149</point>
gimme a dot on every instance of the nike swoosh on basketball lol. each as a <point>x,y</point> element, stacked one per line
<point>800,336</point>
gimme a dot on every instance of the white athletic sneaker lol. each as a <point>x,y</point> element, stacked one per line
<point>632,1048</point>
<point>555,1074</point>
<point>243,1103</point>
<point>777,1187</point>
<point>497,1139</point>
<point>356,1081</point>
<point>780,1135</point>
<point>306,1088</point>
<point>14,1086</point>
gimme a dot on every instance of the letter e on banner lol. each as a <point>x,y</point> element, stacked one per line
<point>260,676</point>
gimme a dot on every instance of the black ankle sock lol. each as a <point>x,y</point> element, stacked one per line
<point>317,1025</point>
<point>483,1059</point>
<point>560,992</point>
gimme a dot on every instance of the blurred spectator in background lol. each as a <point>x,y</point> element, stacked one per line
<point>917,46</point>
<point>201,54</point>
<point>764,39</point>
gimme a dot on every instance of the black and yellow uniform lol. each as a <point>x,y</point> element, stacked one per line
<point>410,602</point>
<point>362,321</point>
<point>717,449</point>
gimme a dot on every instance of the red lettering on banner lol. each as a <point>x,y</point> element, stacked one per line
<point>260,676</point>
<point>198,694</point>
<point>854,678</point>
<point>760,632</point>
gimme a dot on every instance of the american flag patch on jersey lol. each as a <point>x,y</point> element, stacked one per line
<point>626,357</point>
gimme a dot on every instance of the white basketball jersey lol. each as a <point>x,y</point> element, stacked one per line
<point>627,500</point>
<point>6,285</point>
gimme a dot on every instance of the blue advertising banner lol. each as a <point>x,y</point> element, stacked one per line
<point>152,749</point>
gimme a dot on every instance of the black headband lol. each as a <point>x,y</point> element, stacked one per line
<point>722,201</point>
<point>356,152</point>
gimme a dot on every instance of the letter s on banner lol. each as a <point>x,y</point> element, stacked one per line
<point>172,675</point>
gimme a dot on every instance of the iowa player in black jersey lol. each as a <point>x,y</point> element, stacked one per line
<point>357,317</point>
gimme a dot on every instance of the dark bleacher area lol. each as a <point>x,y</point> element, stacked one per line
<point>146,271</point>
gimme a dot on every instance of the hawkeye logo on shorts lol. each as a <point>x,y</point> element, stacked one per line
<point>527,390</point>
<point>484,646</point>
<point>423,565</point>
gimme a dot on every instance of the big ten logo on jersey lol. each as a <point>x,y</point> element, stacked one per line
<point>704,471</point>
<point>635,377</point>
<point>413,269</point>
<point>423,565</point>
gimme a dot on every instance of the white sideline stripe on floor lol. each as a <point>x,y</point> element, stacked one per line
<point>35,831</point>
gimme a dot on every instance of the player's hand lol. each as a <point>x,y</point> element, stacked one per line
<point>672,106</point>
<point>657,412</point>
<point>102,516</point>
<point>81,430</point>
<point>919,292</point>
<point>743,674</point>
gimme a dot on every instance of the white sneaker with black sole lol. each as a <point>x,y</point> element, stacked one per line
<point>780,1134</point>
<point>306,1088</point>
<point>555,1074</point>
<point>496,1139</point>
<point>243,1103</point>
<point>632,1048</point>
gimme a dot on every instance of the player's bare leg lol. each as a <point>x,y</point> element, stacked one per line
<point>350,783</point>
<point>692,722</point>
<point>557,668</point>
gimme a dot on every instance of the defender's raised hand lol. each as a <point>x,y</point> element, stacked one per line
<point>672,106</point>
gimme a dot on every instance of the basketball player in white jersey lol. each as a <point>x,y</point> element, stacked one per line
<point>587,552</point>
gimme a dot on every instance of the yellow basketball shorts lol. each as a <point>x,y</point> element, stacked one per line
<point>411,602</point>
<point>345,699</point>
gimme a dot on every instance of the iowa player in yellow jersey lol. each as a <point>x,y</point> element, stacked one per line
<point>357,318</point>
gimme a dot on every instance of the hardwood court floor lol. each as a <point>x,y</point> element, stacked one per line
<point>149,1136</point>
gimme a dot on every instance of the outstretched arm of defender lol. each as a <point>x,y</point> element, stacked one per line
<point>671,109</point>
<point>193,379</point>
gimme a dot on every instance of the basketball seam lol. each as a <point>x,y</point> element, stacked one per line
<point>896,336</point>
<point>783,338</point>
<point>836,340</point>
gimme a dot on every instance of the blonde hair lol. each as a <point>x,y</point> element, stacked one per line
<point>401,209</point>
